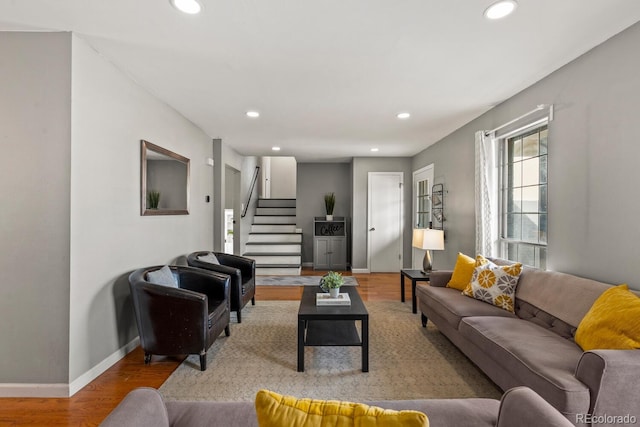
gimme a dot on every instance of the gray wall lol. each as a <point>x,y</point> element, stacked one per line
<point>593,164</point>
<point>71,224</point>
<point>249,164</point>
<point>35,172</point>
<point>283,177</point>
<point>224,157</point>
<point>314,181</point>
<point>361,168</point>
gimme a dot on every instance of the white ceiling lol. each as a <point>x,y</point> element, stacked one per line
<point>330,76</point>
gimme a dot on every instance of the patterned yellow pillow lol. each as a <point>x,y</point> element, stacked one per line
<point>494,284</point>
<point>276,410</point>
<point>462,272</point>
<point>612,322</point>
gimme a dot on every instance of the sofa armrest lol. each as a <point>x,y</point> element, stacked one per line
<point>440,278</point>
<point>613,378</point>
<point>141,407</point>
<point>523,407</point>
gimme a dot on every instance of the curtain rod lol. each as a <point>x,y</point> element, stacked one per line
<point>538,108</point>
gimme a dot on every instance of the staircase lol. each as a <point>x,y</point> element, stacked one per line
<point>274,241</point>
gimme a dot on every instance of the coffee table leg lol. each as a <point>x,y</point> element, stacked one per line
<point>365,344</point>
<point>301,345</point>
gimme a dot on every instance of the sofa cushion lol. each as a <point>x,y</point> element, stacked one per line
<point>462,272</point>
<point>551,291</point>
<point>612,322</point>
<point>494,284</point>
<point>276,410</point>
<point>450,305</point>
<point>534,356</point>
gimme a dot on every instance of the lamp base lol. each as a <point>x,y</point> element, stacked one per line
<point>427,265</point>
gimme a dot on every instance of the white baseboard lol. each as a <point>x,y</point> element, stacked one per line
<point>360,271</point>
<point>97,370</point>
<point>67,390</point>
<point>34,390</point>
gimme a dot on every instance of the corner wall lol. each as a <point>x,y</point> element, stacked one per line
<point>35,172</point>
<point>593,164</point>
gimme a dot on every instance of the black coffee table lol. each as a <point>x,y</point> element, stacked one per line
<point>332,325</point>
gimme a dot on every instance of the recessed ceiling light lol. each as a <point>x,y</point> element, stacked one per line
<point>374,149</point>
<point>253,114</point>
<point>275,148</point>
<point>187,6</point>
<point>500,9</point>
<point>403,116</point>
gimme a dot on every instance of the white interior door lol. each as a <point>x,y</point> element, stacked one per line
<point>385,221</point>
<point>422,183</point>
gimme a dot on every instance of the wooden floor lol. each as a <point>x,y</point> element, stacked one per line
<point>92,404</point>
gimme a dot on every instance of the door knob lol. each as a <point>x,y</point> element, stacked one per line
<point>372,229</point>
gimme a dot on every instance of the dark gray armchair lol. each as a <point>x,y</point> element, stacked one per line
<point>185,319</point>
<point>243,276</point>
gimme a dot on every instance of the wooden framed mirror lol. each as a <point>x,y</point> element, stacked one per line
<point>164,178</point>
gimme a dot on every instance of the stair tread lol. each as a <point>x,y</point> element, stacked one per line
<point>292,233</point>
<point>277,265</point>
<point>270,215</point>
<point>274,223</point>
<point>250,254</point>
<point>273,243</point>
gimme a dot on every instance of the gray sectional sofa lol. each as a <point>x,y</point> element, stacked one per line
<point>519,407</point>
<point>535,347</point>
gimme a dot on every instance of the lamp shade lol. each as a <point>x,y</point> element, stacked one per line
<point>428,238</point>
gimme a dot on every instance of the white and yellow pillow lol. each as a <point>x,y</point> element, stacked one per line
<point>494,284</point>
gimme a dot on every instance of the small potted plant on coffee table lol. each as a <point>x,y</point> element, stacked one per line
<point>333,281</point>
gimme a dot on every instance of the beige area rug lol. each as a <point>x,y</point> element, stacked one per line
<point>406,361</point>
<point>299,280</point>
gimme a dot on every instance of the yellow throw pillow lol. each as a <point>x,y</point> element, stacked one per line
<point>462,272</point>
<point>612,322</point>
<point>494,284</point>
<point>480,260</point>
<point>276,410</point>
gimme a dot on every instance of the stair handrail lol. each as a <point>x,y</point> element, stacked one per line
<point>251,188</point>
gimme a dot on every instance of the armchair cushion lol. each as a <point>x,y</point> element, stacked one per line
<point>163,277</point>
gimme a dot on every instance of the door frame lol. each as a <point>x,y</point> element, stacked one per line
<point>429,169</point>
<point>401,215</point>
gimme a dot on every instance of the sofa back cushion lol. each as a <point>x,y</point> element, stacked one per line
<point>563,296</point>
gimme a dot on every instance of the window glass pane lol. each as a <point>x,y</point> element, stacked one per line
<point>530,199</point>
<point>542,257</point>
<point>514,226</point>
<point>530,145</point>
<point>527,254</point>
<point>516,150</point>
<point>514,201</point>
<point>516,175</point>
<point>512,251</point>
<point>530,228</point>
<point>531,171</point>
<point>543,198</point>
<point>543,140</point>
<point>543,169</point>
<point>543,228</point>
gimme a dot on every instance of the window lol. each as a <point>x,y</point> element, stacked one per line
<point>422,204</point>
<point>523,227</point>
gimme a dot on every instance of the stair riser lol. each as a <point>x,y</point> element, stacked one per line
<point>293,271</point>
<point>275,211</point>
<point>274,219</point>
<point>264,248</point>
<point>276,203</point>
<point>284,228</point>
<point>278,260</point>
<point>291,238</point>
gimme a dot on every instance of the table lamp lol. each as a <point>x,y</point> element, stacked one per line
<point>429,239</point>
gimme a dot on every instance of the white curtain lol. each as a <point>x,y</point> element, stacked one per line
<point>486,194</point>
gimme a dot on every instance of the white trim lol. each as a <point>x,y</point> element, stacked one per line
<point>101,367</point>
<point>34,390</point>
<point>400,175</point>
<point>360,271</point>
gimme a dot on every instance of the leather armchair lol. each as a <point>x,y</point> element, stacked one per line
<point>242,271</point>
<point>183,320</point>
